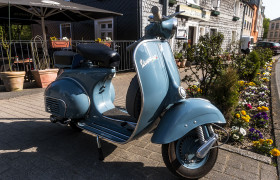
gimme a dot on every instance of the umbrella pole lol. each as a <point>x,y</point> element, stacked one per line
<point>44,34</point>
<point>45,39</point>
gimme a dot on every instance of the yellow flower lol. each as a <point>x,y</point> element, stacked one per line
<point>259,108</point>
<point>269,141</point>
<point>256,143</point>
<point>261,141</point>
<point>199,90</point>
<point>275,152</point>
<point>241,83</point>
<point>251,84</point>
<point>243,112</point>
<point>248,117</point>
<point>245,119</point>
<point>237,116</point>
<point>265,108</point>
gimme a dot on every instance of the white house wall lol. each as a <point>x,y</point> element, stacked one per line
<point>223,23</point>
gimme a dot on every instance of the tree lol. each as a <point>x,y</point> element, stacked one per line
<point>266,27</point>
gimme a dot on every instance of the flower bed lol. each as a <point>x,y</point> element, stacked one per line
<point>251,126</point>
<point>239,86</point>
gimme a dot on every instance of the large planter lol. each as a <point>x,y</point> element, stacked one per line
<point>183,63</point>
<point>44,77</point>
<point>13,81</point>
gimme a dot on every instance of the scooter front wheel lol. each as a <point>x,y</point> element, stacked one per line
<point>180,157</point>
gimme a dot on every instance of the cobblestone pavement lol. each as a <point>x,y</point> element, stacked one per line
<point>33,148</point>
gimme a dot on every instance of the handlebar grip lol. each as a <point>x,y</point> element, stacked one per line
<point>155,11</point>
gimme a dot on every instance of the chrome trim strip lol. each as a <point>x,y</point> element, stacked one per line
<point>58,100</point>
<point>82,127</point>
<point>112,130</point>
<point>118,120</point>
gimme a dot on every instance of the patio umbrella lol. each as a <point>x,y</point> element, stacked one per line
<point>55,10</point>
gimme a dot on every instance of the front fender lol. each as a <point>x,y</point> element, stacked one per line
<point>185,116</point>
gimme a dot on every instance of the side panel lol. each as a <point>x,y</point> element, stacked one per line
<point>75,99</point>
<point>185,116</point>
<point>153,80</point>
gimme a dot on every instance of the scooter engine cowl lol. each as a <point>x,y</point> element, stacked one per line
<point>67,98</point>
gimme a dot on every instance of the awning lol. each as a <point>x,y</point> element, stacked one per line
<point>55,10</point>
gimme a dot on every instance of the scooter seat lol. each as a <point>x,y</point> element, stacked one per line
<point>97,52</point>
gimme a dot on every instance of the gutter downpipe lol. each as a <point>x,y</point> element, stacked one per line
<point>242,25</point>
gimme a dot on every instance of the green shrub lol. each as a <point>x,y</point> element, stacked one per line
<point>265,55</point>
<point>208,63</point>
<point>224,92</point>
<point>251,66</point>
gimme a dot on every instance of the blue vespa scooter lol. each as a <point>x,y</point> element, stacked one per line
<point>83,95</point>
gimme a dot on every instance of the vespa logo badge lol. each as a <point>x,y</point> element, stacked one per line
<point>148,61</point>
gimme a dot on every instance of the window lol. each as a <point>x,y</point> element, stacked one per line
<point>216,4</point>
<point>233,36</point>
<point>201,31</point>
<point>276,34</point>
<point>271,34</point>
<point>244,24</point>
<point>213,31</point>
<point>277,25</point>
<point>237,6</point>
<point>65,30</point>
<point>272,26</point>
<point>196,2</point>
<point>104,28</point>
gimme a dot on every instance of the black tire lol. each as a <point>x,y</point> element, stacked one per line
<point>133,98</point>
<point>74,126</point>
<point>172,163</point>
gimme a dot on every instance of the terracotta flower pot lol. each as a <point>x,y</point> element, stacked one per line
<point>183,63</point>
<point>178,63</point>
<point>13,81</point>
<point>44,77</point>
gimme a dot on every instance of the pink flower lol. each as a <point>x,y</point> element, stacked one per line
<point>249,106</point>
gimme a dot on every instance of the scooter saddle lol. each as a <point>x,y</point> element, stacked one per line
<point>97,52</point>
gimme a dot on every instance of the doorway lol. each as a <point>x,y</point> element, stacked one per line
<point>191,35</point>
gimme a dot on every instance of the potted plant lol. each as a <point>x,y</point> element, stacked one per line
<point>42,74</point>
<point>183,60</point>
<point>172,2</point>
<point>235,18</point>
<point>178,58</point>
<point>13,80</point>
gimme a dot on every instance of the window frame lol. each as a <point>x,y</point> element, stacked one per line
<point>97,28</point>
<point>60,30</point>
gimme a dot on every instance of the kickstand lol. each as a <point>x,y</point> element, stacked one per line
<point>100,153</point>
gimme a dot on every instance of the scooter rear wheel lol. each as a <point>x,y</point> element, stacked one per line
<point>179,157</point>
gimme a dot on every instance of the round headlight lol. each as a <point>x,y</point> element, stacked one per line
<point>182,92</point>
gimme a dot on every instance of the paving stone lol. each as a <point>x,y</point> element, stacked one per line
<point>154,147</point>
<point>140,151</point>
<point>266,175</point>
<point>214,175</point>
<point>219,167</point>
<point>156,156</point>
<point>240,173</point>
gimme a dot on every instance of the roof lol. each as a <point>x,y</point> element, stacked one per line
<point>277,19</point>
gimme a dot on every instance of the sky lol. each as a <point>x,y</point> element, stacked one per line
<point>272,9</point>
